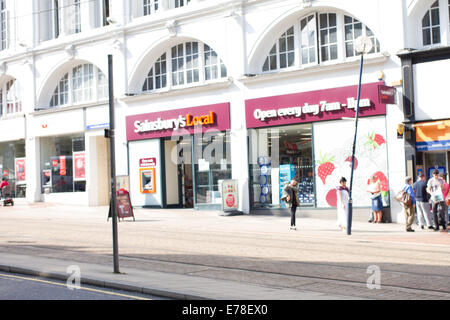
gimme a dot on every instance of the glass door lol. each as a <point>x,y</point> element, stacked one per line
<point>212,165</point>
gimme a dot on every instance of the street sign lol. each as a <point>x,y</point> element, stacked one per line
<point>386,94</point>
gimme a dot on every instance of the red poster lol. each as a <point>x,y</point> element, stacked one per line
<point>62,166</point>
<point>20,169</point>
<point>79,166</point>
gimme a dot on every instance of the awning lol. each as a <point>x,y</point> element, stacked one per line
<point>433,135</point>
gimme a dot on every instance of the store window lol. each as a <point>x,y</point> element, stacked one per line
<point>12,166</point>
<point>276,156</point>
<point>212,164</point>
<point>63,164</point>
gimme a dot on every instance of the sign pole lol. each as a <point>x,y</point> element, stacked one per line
<point>113,164</point>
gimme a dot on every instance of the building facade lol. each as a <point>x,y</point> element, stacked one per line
<point>254,90</point>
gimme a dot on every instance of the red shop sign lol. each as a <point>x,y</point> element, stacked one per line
<point>177,122</point>
<point>327,104</point>
<point>147,162</point>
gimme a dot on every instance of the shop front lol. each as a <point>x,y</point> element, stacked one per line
<point>309,136</point>
<point>178,158</point>
<point>12,166</point>
<point>432,147</point>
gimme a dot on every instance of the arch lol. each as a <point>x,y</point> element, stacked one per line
<point>280,24</point>
<point>146,60</point>
<point>50,81</point>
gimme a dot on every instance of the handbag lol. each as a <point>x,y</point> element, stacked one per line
<point>404,198</point>
<point>447,200</point>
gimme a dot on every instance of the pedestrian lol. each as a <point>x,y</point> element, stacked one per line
<point>422,204</point>
<point>375,191</point>
<point>445,192</point>
<point>290,195</point>
<point>3,184</point>
<point>435,188</point>
<point>343,195</point>
<point>409,209</point>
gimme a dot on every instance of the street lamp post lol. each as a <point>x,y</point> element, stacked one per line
<point>111,135</point>
<point>363,45</point>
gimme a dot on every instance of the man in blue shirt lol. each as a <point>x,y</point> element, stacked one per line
<point>422,205</point>
<point>409,210</point>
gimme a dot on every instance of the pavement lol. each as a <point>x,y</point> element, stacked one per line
<point>195,255</point>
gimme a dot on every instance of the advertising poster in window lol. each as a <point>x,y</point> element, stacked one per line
<point>147,180</point>
<point>79,166</point>
<point>62,165</point>
<point>20,169</point>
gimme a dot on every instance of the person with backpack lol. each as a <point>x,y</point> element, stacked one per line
<point>409,203</point>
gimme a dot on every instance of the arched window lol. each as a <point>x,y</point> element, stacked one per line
<point>322,38</point>
<point>84,83</point>
<point>10,98</point>
<point>431,30</point>
<point>190,62</point>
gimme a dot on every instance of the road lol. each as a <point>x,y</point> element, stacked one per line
<point>253,249</point>
<point>20,287</point>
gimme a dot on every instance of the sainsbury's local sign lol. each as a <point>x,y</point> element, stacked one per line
<point>178,122</point>
<point>328,104</point>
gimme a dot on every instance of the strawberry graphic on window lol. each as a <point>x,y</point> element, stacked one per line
<point>349,159</point>
<point>331,198</point>
<point>375,140</point>
<point>326,167</point>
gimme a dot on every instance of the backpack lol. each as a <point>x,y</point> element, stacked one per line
<point>404,197</point>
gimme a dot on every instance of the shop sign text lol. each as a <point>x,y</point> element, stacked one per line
<point>174,124</point>
<point>313,109</point>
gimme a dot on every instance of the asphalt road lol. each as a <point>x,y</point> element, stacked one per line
<point>20,287</point>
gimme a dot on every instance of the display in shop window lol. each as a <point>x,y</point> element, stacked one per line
<point>79,166</point>
<point>264,169</point>
<point>20,169</point>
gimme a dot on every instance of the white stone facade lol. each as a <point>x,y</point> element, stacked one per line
<point>48,39</point>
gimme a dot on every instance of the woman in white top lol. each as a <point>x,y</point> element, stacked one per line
<point>342,193</point>
<point>375,191</point>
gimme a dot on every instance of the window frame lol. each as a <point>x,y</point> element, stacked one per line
<point>83,86</point>
<point>201,67</point>
<point>305,46</point>
<point>430,28</point>
<point>10,100</point>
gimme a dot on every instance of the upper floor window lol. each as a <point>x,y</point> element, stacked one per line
<point>149,7</point>
<point>66,17</point>
<point>9,98</point>
<point>181,3</point>
<point>322,38</point>
<point>84,83</point>
<point>431,30</point>
<point>190,62</point>
<point>4,25</point>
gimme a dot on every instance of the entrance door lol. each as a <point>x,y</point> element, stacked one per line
<point>178,170</point>
<point>435,160</point>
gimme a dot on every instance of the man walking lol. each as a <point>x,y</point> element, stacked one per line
<point>290,193</point>
<point>435,187</point>
<point>422,204</point>
<point>409,208</point>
